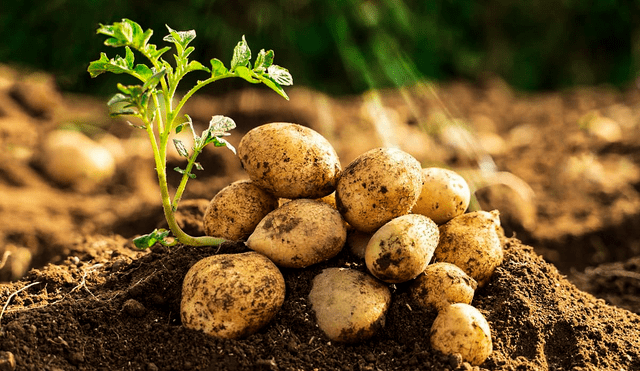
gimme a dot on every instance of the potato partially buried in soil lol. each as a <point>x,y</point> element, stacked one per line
<point>350,305</point>
<point>289,160</point>
<point>442,284</point>
<point>402,248</point>
<point>300,233</point>
<point>461,328</point>
<point>236,210</point>
<point>379,185</point>
<point>471,242</point>
<point>231,295</point>
<point>445,194</point>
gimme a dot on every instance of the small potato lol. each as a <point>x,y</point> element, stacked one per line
<point>471,242</point>
<point>444,195</point>
<point>379,185</point>
<point>289,160</point>
<point>401,249</point>
<point>350,305</point>
<point>300,233</point>
<point>442,284</point>
<point>461,328</point>
<point>231,295</point>
<point>237,209</point>
<point>71,158</point>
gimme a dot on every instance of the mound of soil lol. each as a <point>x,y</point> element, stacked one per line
<point>78,295</point>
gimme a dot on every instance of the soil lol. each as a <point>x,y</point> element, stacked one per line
<point>77,295</point>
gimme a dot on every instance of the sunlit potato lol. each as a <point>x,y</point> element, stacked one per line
<point>444,195</point>
<point>442,284</point>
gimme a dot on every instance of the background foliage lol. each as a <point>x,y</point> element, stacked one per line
<point>347,46</point>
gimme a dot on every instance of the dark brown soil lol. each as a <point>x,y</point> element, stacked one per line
<point>91,301</point>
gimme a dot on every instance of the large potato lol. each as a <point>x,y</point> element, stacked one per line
<point>461,328</point>
<point>350,305</point>
<point>300,233</point>
<point>379,185</point>
<point>401,249</point>
<point>231,295</point>
<point>442,284</point>
<point>445,195</point>
<point>237,209</point>
<point>289,160</point>
<point>471,242</point>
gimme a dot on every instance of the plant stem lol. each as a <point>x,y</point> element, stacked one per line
<point>185,178</point>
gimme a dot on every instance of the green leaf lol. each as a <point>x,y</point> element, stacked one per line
<point>154,80</point>
<point>182,150</point>
<point>263,60</point>
<point>119,65</point>
<point>125,33</point>
<point>221,124</point>
<point>247,74</point>
<point>196,66</point>
<point>241,55</point>
<point>217,68</point>
<point>280,75</point>
<point>273,85</point>
<point>198,166</point>
<point>148,240</point>
<point>182,171</point>
<point>181,38</point>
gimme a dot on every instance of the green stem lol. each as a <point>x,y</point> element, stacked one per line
<point>185,178</point>
<point>199,86</point>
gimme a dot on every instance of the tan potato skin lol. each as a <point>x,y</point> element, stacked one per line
<point>289,160</point>
<point>402,248</point>
<point>231,295</point>
<point>379,185</point>
<point>471,242</point>
<point>237,209</point>
<point>461,328</point>
<point>445,194</point>
<point>300,233</point>
<point>350,305</point>
<point>442,284</point>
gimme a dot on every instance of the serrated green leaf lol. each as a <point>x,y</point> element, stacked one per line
<point>273,85</point>
<point>154,80</point>
<point>263,60</point>
<point>182,38</point>
<point>148,240</point>
<point>182,150</point>
<point>280,75</point>
<point>181,171</point>
<point>217,68</point>
<point>143,71</point>
<point>104,64</point>
<point>125,33</point>
<point>247,74</point>
<point>241,55</point>
<point>220,124</point>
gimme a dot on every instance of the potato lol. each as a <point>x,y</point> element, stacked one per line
<point>442,284</point>
<point>237,209</point>
<point>379,185</point>
<point>71,158</point>
<point>231,295</point>
<point>471,242</point>
<point>357,242</point>
<point>350,305</point>
<point>461,328</point>
<point>289,160</point>
<point>401,249</point>
<point>300,233</point>
<point>444,195</point>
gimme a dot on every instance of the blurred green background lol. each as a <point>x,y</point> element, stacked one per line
<point>348,46</point>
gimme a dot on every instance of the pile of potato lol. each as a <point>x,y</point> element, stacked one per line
<point>298,208</point>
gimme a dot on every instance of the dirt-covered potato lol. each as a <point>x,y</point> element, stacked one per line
<point>471,241</point>
<point>357,242</point>
<point>236,210</point>
<point>445,194</point>
<point>289,160</point>
<point>300,233</point>
<point>461,328</point>
<point>379,185</point>
<point>442,284</point>
<point>402,248</point>
<point>71,158</point>
<point>350,305</point>
<point>231,295</point>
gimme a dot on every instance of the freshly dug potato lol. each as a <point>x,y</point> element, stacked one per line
<point>461,328</point>
<point>379,185</point>
<point>445,195</point>
<point>237,209</point>
<point>442,284</point>
<point>71,158</point>
<point>357,242</point>
<point>471,242</point>
<point>300,233</point>
<point>350,305</point>
<point>401,249</point>
<point>231,295</point>
<point>289,160</point>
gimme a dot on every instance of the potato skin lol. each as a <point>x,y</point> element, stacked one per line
<point>300,233</point>
<point>445,194</point>
<point>231,295</point>
<point>461,328</point>
<point>236,210</point>
<point>379,185</point>
<point>350,305</point>
<point>402,248</point>
<point>471,242</point>
<point>442,284</point>
<point>289,160</point>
